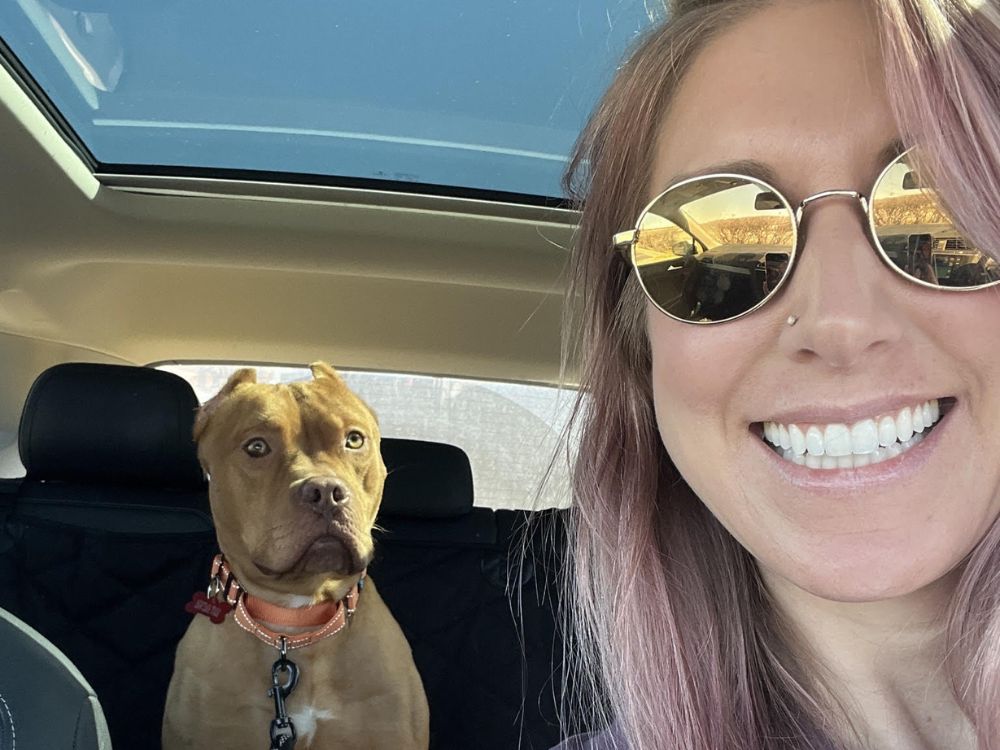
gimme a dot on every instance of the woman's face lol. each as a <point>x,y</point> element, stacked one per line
<point>799,87</point>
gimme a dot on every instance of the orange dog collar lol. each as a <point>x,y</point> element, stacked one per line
<point>251,612</point>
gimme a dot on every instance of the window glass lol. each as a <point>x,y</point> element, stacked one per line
<point>509,430</point>
<point>482,95</point>
<point>10,461</point>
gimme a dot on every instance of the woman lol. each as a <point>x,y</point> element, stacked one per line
<point>923,258</point>
<point>786,494</point>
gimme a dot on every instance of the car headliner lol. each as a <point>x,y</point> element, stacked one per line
<point>133,269</point>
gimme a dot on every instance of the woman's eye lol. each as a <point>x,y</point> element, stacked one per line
<point>354,440</point>
<point>256,447</point>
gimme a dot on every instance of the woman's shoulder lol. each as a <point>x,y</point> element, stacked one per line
<point>607,739</point>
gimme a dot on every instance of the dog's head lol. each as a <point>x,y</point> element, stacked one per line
<point>296,480</point>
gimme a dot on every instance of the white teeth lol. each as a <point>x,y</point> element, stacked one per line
<point>798,440</point>
<point>836,440</point>
<point>886,431</point>
<point>852,461</point>
<point>904,425</point>
<point>864,436</point>
<point>790,455</point>
<point>841,446</point>
<point>814,440</point>
<point>783,437</point>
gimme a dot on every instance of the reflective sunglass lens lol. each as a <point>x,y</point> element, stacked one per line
<point>713,248</point>
<point>918,236</point>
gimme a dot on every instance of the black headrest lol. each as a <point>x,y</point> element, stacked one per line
<point>110,424</point>
<point>426,480</point>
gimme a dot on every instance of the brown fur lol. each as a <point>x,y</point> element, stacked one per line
<point>363,676</point>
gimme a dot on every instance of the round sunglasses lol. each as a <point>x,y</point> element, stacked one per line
<point>714,248</point>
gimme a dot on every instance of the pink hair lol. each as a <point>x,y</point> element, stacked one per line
<point>671,634</point>
<point>944,84</point>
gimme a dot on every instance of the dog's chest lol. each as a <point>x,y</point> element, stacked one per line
<point>306,719</point>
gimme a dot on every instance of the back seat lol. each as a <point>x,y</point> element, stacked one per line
<point>481,626</point>
<point>109,534</point>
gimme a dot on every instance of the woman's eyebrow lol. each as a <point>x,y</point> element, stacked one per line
<point>749,167</point>
<point>761,171</point>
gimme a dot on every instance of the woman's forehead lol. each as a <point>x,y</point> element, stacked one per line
<point>795,86</point>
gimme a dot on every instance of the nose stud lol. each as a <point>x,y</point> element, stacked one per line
<point>792,320</point>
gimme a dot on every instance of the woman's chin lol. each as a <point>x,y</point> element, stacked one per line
<point>869,575</point>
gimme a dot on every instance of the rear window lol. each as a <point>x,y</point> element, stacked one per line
<point>10,462</point>
<point>510,431</point>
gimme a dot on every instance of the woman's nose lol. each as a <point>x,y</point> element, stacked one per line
<point>841,292</point>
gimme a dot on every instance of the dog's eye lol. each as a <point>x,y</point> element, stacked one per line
<point>256,447</point>
<point>354,440</point>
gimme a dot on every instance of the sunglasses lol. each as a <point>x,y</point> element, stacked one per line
<point>714,248</point>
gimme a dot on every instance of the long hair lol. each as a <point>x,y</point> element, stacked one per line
<point>671,634</point>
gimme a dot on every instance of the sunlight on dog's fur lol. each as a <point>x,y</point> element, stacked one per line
<point>276,510</point>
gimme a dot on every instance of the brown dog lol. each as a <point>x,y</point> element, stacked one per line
<point>296,482</point>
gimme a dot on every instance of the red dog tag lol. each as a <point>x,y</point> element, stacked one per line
<point>214,609</point>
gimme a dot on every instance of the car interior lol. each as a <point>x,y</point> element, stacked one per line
<point>219,194</point>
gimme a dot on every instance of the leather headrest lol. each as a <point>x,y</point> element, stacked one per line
<point>426,480</point>
<point>110,424</point>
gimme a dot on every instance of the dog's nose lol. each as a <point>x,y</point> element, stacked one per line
<point>324,494</point>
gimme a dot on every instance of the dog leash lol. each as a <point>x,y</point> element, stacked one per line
<point>328,619</point>
<point>282,730</point>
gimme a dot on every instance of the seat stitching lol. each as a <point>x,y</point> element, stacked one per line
<point>10,720</point>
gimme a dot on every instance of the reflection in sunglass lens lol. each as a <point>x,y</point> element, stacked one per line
<point>714,248</point>
<point>919,237</point>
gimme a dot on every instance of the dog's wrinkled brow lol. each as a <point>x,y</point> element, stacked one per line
<point>266,422</point>
<point>343,406</point>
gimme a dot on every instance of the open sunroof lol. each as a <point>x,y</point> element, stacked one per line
<point>469,96</point>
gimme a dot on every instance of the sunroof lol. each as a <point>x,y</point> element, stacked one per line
<point>468,95</point>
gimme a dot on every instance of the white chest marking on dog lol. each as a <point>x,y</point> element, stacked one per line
<point>305,720</point>
<point>292,600</point>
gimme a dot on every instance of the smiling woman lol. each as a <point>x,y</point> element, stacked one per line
<point>787,471</point>
<point>261,182</point>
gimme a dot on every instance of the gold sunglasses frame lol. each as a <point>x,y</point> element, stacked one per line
<point>625,242</point>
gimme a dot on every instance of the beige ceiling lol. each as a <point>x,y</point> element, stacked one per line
<point>141,270</point>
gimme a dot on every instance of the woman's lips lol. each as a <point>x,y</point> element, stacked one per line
<point>826,411</point>
<point>845,446</point>
<point>893,464</point>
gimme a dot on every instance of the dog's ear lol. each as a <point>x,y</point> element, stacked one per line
<point>238,378</point>
<point>322,370</point>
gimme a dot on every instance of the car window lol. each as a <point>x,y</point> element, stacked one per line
<point>509,430</point>
<point>475,95</point>
<point>10,462</point>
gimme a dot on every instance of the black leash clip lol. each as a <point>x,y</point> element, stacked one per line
<point>284,678</point>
